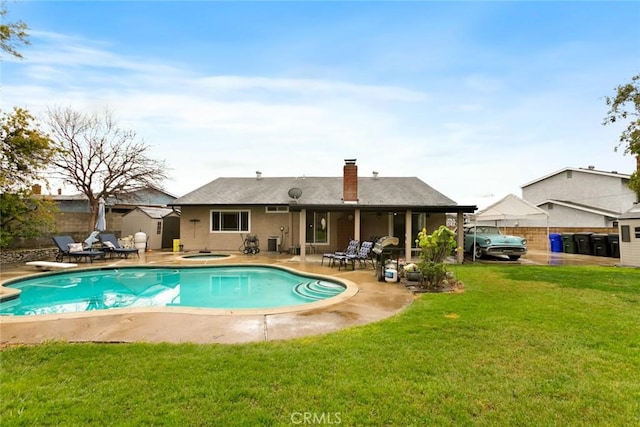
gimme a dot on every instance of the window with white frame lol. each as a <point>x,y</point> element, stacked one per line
<point>224,221</point>
<point>317,227</point>
<point>277,209</point>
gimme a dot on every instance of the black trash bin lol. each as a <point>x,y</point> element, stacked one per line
<point>614,245</point>
<point>599,245</point>
<point>555,241</point>
<point>583,243</point>
<point>569,243</point>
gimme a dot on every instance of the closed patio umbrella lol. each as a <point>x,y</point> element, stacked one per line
<point>101,225</point>
<point>101,222</point>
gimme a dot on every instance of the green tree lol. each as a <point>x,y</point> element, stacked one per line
<point>26,154</point>
<point>99,158</point>
<point>625,107</point>
<point>12,34</point>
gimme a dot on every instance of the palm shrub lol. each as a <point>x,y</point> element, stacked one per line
<point>435,248</point>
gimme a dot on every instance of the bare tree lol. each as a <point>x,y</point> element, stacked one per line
<point>99,158</point>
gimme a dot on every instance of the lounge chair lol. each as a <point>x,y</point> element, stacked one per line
<point>70,248</point>
<point>112,246</point>
<point>352,249</point>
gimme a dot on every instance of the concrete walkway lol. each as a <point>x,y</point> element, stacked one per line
<point>373,301</point>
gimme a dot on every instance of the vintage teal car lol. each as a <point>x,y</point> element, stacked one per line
<point>488,240</point>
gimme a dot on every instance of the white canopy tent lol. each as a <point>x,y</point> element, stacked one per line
<point>512,207</point>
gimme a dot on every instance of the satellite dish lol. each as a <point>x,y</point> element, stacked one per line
<point>295,193</point>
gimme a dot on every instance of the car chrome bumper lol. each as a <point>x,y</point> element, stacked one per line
<point>505,250</point>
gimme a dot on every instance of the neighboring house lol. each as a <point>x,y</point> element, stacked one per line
<point>151,197</point>
<point>74,213</point>
<point>629,230</point>
<point>311,214</point>
<point>577,197</point>
<point>161,225</point>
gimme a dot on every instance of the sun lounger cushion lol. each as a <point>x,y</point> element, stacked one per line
<point>75,247</point>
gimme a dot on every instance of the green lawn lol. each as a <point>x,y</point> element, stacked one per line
<point>523,345</point>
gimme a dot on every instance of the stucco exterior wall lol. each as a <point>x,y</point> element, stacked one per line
<point>562,216</point>
<point>197,235</point>
<point>606,192</point>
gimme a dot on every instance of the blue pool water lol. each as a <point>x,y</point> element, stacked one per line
<point>207,287</point>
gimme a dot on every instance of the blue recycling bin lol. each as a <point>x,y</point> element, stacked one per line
<point>555,240</point>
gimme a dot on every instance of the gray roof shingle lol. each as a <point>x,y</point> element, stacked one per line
<point>316,191</point>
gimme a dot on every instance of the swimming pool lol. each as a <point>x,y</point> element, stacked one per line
<point>214,287</point>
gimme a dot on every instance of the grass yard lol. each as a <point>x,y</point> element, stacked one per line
<point>523,345</point>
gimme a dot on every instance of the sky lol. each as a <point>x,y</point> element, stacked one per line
<point>474,98</point>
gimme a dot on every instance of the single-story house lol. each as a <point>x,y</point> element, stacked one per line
<point>629,230</point>
<point>161,225</point>
<point>311,214</point>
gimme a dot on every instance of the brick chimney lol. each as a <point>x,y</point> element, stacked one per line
<point>350,181</point>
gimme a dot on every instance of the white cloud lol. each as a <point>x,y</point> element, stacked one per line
<point>467,136</point>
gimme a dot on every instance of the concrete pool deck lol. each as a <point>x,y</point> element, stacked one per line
<point>374,301</point>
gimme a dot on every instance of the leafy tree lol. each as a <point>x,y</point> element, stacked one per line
<point>99,158</point>
<point>24,215</point>
<point>26,154</point>
<point>12,34</point>
<point>26,151</point>
<point>625,106</point>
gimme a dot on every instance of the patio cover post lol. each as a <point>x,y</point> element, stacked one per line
<point>303,234</point>
<point>408,238</point>
<point>460,230</point>
<point>356,225</point>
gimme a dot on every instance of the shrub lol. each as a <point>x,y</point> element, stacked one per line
<point>435,248</point>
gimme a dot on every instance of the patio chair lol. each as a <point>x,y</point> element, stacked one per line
<point>352,249</point>
<point>111,245</point>
<point>364,254</point>
<point>72,249</point>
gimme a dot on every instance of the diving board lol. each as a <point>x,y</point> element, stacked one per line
<point>49,265</point>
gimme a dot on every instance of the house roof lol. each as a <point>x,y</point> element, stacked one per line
<point>589,170</point>
<point>373,192</point>
<point>633,213</point>
<point>154,213</point>
<point>149,196</point>
<point>581,207</point>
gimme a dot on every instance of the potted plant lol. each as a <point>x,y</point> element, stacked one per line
<point>412,272</point>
